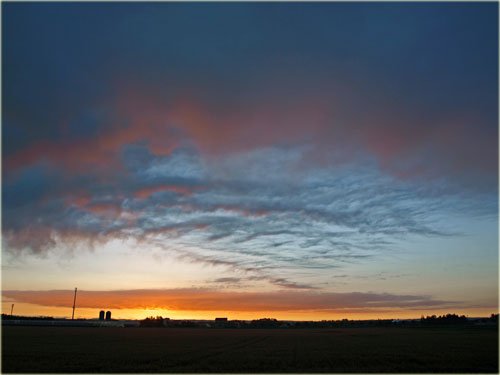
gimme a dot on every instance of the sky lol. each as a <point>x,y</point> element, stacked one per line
<point>301,161</point>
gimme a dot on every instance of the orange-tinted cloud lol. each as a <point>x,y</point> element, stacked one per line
<point>148,118</point>
<point>109,209</point>
<point>148,191</point>
<point>402,145</point>
<point>80,200</point>
<point>213,300</point>
<point>84,202</point>
<point>101,150</point>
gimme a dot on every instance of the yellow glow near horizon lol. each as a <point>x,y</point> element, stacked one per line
<point>27,309</point>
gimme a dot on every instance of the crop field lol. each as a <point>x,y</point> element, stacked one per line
<point>163,350</point>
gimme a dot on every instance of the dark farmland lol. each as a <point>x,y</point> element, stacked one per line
<point>469,349</point>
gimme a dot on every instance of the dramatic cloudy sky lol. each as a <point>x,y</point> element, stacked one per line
<point>289,160</point>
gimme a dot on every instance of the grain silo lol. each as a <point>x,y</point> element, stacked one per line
<point>108,315</point>
<point>101,315</point>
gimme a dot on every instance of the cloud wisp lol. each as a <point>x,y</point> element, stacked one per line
<point>261,210</point>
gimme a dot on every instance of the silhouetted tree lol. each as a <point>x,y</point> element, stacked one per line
<point>265,323</point>
<point>152,322</point>
<point>19,317</point>
<point>445,319</point>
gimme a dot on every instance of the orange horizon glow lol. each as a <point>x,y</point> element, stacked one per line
<point>26,309</point>
<point>205,303</point>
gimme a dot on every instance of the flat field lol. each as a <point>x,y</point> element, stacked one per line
<point>163,350</point>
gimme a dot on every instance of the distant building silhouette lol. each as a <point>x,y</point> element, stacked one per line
<point>108,315</point>
<point>101,315</point>
<point>220,322</point>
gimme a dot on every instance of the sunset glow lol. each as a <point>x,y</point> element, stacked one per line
<point>247,160</point>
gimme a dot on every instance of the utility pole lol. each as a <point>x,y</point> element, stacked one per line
<point>74,301</point>
<point>11,309</point>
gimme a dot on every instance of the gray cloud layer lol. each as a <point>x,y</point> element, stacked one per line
<point>255,212</point>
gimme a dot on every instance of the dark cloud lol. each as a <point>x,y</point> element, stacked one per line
<point>227,280</point>
<point>273,148</point>
<point>28,186</point>
<point>350,81</point>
